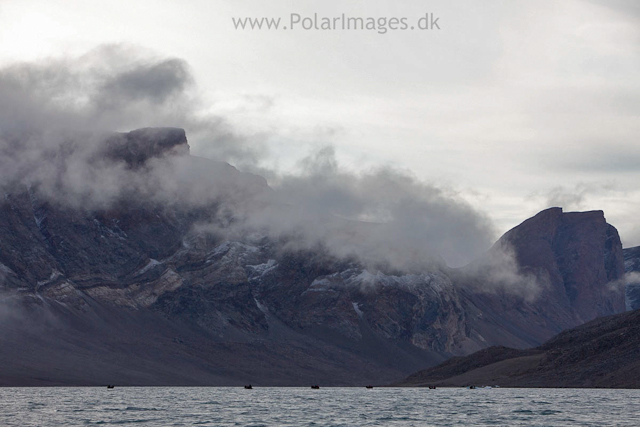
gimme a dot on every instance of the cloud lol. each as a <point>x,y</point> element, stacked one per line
<point>573,198</point>
<point>498,271</point>
<point>112,88</point>
<point>55,116</point>
<point>626,7</point>
<point>540,92</point>
<point>605,160</point>
<point>632,278</point>
<point>381,215</point>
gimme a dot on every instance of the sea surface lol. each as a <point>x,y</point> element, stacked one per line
<point>224,406</point>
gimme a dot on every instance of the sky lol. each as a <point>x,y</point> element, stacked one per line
<point>513,106</point>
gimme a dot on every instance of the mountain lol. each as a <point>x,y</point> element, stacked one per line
<point>632,265</point>
<point>564,263</point>
<point>602,353</point>
<point>150,275</point>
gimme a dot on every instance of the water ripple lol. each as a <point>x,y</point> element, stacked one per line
<point>224,406</point>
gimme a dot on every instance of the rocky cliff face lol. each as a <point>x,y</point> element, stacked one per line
<point>566,261</point>
<point>575,255</point>
<point>138,146</point>
<point>632,267</point>
<point>159,287</point>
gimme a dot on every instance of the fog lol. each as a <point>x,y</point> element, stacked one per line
<point>56,114</point>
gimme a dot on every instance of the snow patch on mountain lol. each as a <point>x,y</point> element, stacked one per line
<point>356,308</point>
<point>260,270</point>
<point>152,263</point>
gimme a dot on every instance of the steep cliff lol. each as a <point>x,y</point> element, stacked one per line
<point>632,267</point>
<point>565,264</point>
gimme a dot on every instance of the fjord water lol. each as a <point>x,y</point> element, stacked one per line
<point>224,406</point>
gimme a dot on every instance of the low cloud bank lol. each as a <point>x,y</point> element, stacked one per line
<point>55,116</point>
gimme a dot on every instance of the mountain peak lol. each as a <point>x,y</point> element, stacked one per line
<point>579,253</point>
<point>140,145</point>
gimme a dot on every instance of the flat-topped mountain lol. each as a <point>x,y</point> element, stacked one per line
<point>564,262</point>
<point>140,145</point>
<point>565,250</point>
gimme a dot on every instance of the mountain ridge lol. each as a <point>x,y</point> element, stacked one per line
<point>600,353</point>
<point>162,285</point>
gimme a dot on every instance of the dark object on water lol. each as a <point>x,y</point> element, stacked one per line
<point>432,387</point>
<point>369,386</point>
<point>472,387</point>
<point>248,387</point>
<point>315,387</point>
<point>110,386</point>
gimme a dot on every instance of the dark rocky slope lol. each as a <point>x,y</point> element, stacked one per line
<point>602,353</point>
<point>140,290</point>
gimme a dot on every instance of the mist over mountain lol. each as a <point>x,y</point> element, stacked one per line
<point>182,277</point>
<point>126,259</point>
<point>632,282</point>
<point>55,115</point>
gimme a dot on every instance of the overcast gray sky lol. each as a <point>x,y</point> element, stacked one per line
<point>514,105</point>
